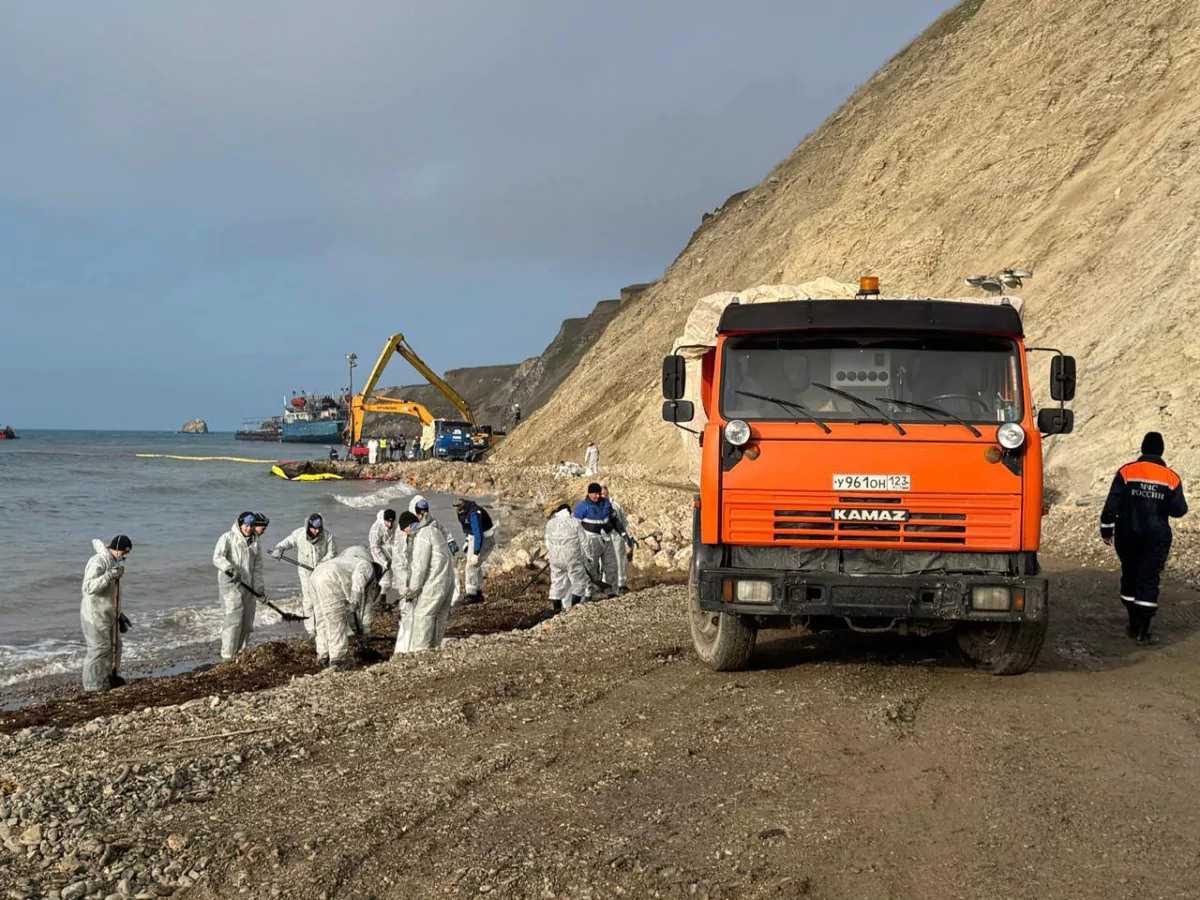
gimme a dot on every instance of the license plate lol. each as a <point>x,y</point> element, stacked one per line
<point>872,482</point>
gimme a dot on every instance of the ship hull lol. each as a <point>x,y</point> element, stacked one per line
<point>327,431</point>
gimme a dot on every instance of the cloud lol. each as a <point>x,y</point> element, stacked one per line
<point>519,156</point>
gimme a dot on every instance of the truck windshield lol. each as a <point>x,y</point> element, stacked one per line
<point>968,378</point>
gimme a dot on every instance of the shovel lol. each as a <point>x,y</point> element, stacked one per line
<point>283,614</point>
<point>532,581</point>
<point>296,562</point>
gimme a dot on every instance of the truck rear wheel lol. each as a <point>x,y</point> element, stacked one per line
<point>723,640</point>
<point>1002,648</point>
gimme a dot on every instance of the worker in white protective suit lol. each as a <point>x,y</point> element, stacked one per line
<point>238,571</point>
<point>310,545</point>
<point>382,542</point>
<point>343,589</point>
<point>569,583</point>
<point>100,614</point>
<point>419,507</point>
<point>567,469</point>
<point>620,538</point>
<point>428,590</point>
<point>591,460</point>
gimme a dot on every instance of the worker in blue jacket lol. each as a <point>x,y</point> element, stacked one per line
<point>480,542</point>
<point>595,513</point>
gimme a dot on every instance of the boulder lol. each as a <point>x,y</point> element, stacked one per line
<point>196,426</point>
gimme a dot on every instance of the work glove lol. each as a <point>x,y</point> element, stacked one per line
<point>277,553</point>
<point>117,572</point>
<point>630,541</point>
<point>123,623</point>
<point>453,548</point>
<point>233,574</point>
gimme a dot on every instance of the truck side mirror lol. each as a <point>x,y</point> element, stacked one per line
<point>1062,378</point>
<point>1056,421</point>
<point>678,411</point>
<point>674,378</point>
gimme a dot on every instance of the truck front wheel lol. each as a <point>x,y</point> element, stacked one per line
<point>1002,648</point>
<point>723,640</point>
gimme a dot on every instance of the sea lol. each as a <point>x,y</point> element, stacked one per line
<point>173,495</point>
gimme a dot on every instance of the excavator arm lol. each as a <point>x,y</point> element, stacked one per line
<point>363,402</point>
<point>359,407</point>
<point>399,345</point>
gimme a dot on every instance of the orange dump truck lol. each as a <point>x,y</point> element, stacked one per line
<point>869,464</point>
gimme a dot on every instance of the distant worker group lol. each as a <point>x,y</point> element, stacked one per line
<point>410,558</point>
<point>408,564</point>
<point>589,469</point>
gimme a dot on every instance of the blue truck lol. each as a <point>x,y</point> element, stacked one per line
<point>447,439</point>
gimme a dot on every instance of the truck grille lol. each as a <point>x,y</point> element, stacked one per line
<point>916,522</point>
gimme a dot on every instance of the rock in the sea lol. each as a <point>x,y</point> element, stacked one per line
<point>196,426</point>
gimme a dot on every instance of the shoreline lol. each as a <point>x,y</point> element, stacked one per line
<point>513,605</point>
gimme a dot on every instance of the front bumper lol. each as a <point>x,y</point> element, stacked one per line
<point>924,597</point>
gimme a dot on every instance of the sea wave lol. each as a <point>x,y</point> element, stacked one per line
<point>380,497</point>
<point>154,635</point>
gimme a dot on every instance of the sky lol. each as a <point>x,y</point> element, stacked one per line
<point>206,206</point>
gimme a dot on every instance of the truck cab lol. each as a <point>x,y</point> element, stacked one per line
<point>869,464</point>
<point>450,440</point>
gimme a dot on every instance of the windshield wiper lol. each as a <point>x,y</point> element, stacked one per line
<point>863,404</point>
<point>788,404</point>
<point>930,410</point>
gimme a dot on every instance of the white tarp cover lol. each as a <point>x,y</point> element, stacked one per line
<point>700,333</point>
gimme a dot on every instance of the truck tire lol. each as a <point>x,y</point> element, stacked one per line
<point>1004,648</point>
<point>723,640</point>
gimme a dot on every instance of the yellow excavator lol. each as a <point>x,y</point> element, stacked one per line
<point>482,438</point>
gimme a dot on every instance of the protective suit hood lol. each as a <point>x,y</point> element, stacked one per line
<point>101,549</point>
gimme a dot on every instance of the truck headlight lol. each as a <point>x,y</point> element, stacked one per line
<point>992,598</point>
<point>1010,435</point>
<point>752,591</point>
<point>737,432</point>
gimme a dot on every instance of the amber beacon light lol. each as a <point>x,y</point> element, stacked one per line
<point>868,286</point>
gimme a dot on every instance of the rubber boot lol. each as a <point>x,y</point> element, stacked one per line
<point>576,600</point>
<point>1134,626</point>
<point>115,680</point>
<point>556,604</point>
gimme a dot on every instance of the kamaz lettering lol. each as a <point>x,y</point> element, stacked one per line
<point>870,515</point>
